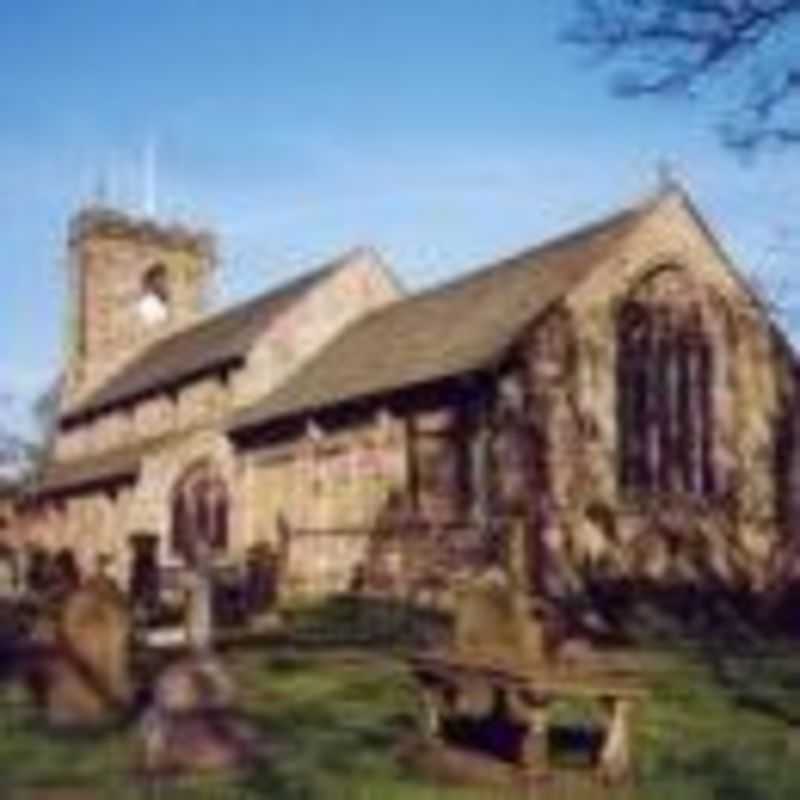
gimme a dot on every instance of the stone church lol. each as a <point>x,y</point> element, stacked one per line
<point>620,388</point>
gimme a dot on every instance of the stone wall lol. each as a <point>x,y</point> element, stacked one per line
<point>101,522</point>
<point>318,498</point>
<point>87,525</point>
<point>110,254</point>
<point>205,401</point>
<point>591,527</point>
<point>351,291</point>
<point>164,425</point>
<point>354,503</point>
<point>357,287</point>
<point>162,469</point>
<point>541,439</point>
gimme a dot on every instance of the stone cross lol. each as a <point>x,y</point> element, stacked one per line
<point>200,586</point>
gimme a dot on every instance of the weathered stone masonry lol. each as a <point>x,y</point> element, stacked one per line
<point>620,388</point>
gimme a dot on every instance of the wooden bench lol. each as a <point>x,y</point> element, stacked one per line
<point>450,687</point>
<point>509,657</point>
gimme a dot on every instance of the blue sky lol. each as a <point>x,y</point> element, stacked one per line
<point>444,133</point>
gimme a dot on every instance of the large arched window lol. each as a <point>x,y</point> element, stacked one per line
<point>199,513</point>
<point>664,397</point>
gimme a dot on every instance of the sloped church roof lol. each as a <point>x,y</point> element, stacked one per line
<point>215,342</point>
<point>457,328</point>
<point>452,329</point>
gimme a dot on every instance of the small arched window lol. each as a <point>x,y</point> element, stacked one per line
<point>199,513</point>
<point>664,399</point>
<point>154,299</point>
<point>155,282</point>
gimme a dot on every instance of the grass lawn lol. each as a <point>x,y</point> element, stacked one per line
<point>333,721</point>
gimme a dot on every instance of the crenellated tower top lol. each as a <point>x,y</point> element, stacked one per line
<point>132,281</point>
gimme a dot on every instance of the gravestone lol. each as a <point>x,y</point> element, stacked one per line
<point>508,664</point>
<point>496,618</point>
<point>496,624</point>
<point>8,577</point>
<point>191,725</point>
<point>86,680</point>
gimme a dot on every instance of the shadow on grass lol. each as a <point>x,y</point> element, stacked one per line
<point>332,708</point>
<point>719,775</point>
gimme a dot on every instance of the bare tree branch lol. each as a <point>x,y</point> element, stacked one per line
<point>22,455</point>
<point>682,46</point>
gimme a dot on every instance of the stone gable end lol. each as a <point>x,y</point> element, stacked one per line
<point>357,287</point>
<point>751,370</point>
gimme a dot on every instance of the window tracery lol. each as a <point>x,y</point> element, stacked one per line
<point>199,513</point>
<point>665,376</point>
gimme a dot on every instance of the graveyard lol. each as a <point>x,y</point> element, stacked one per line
<point>375,696</point>
<point>335,709</point>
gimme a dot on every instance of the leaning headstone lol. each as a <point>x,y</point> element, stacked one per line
<point>8,577</point>
<point>87,677</point>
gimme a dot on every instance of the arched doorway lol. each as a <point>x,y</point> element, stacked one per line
<point>200,509</point>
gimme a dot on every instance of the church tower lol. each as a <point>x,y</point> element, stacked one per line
<point>132,282</point>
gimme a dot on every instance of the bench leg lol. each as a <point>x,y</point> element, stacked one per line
<point>615,756</point>
<point>431,714</point>
<point>534,752</point>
